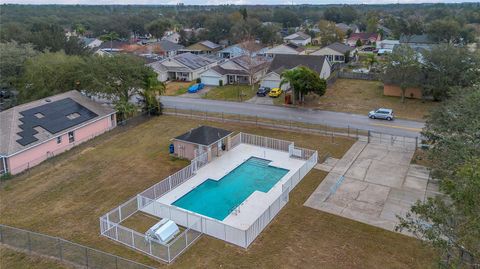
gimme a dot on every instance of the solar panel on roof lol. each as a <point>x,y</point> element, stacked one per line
<point>54,118</point>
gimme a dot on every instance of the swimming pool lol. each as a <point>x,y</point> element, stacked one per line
<point>217,199</point>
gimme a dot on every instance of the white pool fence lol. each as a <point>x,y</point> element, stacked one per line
<point>196,224</point>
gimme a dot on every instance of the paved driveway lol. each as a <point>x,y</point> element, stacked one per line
<point>372,183</point>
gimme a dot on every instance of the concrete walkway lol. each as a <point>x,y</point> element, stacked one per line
<point>373,183</point>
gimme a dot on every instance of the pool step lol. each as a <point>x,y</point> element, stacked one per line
<point>258,162</point>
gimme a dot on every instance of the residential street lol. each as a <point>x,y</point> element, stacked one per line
<point>336,119</point>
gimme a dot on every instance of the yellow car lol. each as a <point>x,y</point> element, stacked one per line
<point>275,92</point>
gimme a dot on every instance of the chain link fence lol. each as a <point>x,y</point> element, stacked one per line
<point>63,250</point>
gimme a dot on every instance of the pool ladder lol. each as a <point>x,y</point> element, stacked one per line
<point>236,210</point>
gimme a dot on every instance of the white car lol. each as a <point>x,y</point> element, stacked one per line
<point>381,113</point>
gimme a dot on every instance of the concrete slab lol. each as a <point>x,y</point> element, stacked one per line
<point>418,171</point>
<point>415,183</point>
<point>359,168</point>
<point>379,184</point>
<point>386,174</point>
<point>328,165</point>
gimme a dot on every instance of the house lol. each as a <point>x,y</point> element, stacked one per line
<point>251,48</point>
<point>417,42</point>
<point>239,70</point>
<point>204,139</point>
<point>111,47</point>
<point>171,36</point>
<point>288,48</point>
<point>386,46</point>
<point>280,63</point>
<point>33,132</point>
<point>91,42</point>
<point>202,47</point>
<point>345,28</point>
<point>335,52</point>
<point>365,38</point>
<point>185,66</point>
<point>298,38</point>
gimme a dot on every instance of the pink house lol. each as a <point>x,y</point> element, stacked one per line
<point>33,132</point>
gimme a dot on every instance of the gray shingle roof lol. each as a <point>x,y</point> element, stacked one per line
<point>342,48</point>
<point>170,46</point>
<point>283,62</point>
<point>204,135</point>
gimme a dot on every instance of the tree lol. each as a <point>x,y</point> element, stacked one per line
<point>118,77</point>
<point>371,60</point>
<point>286,17</point>
<point>447,67</point>
<point>329,33</point>
<point>152,89</point>
<point>268,34</point>
<point>403,69</point>
<point>158,27</point>
<point>444,30</point>
<point>75,46</point>
<point>303,80</point>
<point>358,43</point>
<point>372,23</point>
<point>451,224</point>
<point>52,73</point>
<point>13,57</point>
<point>109,37</point>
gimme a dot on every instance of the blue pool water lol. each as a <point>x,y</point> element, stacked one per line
<point>217,199</point>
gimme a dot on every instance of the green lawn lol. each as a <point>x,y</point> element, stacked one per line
<point>361,96</point>
<point>237,93</point>
<point>65,197</point>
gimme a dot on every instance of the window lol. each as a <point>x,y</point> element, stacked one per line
<point>71,137</point>
<point>59,139</point>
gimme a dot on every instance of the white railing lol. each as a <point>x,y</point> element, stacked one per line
<point>165,252</point>
<point>265,142</point>
<point>235,140</point>
<point>197,224</point>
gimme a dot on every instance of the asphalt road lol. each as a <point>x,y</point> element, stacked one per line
<point>335,119</point>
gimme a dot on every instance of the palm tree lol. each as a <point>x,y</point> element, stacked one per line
<point>151,91</point>
<point>371,60</point>
<point>109,37</point>
<point>290,77</point>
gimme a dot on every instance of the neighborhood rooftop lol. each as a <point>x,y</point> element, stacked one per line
<point>193,61</point>
<point>283,62</point>
<point>38,121</point>
<point>204,135</point>
<point>339,47</point>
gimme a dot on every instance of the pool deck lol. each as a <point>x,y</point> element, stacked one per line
<point>258,201</point>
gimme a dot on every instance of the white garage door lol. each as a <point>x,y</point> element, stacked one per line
<point>270,83</point>
<point>209,80</point>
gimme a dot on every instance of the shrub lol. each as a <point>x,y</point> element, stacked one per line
<point>199,80</point>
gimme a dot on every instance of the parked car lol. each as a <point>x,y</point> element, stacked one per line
<point>263,91</point>
<point>381,113</point>
<point>196,87</point>
<point>275,92</point>
<point>368,49</point>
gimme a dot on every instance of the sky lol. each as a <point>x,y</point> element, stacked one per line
<point>221,2</point>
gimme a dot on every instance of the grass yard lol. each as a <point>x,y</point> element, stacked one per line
<point>19,260</point>
<point>361,96</point>
<point>65,197</point>
<point>237,93</point>
<point>177,88</point>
